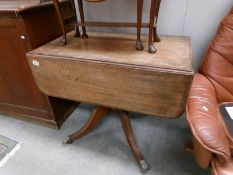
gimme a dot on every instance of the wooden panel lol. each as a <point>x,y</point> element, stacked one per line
<point>14,113</point>
<point>22,110</point>
<point>146,91</point>
<point>10,8</point>
<point>17,84</point>
<point>19,95</point>
<point>102,71</point>
<point>41,31</point>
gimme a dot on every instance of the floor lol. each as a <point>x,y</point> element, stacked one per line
<point>104,151</point>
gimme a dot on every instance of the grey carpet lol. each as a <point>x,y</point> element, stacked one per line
<point>104,151</point>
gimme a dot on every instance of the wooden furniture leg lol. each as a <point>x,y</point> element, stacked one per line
<point>151,47</point>
<point>155,34</point>
<point>126,125</point>
<point>96,117</point>
<point>76,27</point>
<point>61,21</point>
<point>77,32</point>
<point>80,5</point>
<point>139,45</point>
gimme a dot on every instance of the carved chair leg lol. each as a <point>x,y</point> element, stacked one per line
<point>76,28</point>
<point>139,45</point>
<point>126,124</point>
<point>80,5</point>
<point>156,37</point>
<point>77,32</point>
<point>96,116</point>
<point>151,47</point>
<point>61,21</point>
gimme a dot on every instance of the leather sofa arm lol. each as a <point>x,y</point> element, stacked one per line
<point>202,115</point>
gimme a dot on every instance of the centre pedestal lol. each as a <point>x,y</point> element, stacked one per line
<point>98,113</point>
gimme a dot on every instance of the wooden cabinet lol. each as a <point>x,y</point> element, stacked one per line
<point>23,27</point>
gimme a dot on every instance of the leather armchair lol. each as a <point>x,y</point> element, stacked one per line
<point>213,85</point>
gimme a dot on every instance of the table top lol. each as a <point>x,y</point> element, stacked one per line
<point>174,53</point>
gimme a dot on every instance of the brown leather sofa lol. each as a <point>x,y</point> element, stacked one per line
<point>213,85</point>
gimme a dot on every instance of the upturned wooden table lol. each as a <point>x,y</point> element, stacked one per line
<point>107,71</point>
<point>152,24</point>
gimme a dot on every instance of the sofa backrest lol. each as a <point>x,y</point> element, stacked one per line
<point>217,64</point>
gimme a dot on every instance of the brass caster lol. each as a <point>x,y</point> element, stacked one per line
<point>84,36</point>
<point>152,49</point>
<point>67,140</point>
<point>139,45</point>
<point>144,166</point>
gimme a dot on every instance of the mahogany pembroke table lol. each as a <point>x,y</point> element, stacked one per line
<point>105,70</point>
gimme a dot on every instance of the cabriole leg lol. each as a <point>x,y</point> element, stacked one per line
<point>77,32</point>
<point>139,45</point>
<point>61,21</point>
<point>156,37</point>
<point>151,47</point>
<point>76,28</point>
<point>80,5</point>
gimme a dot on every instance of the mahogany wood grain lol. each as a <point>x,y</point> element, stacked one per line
<point>155,34</point>
<point>61,21</point>
<point>80,6</point>
<point>154,11</point>
<point>126,125</point>
<point>139,45</point>
<point>109,72</point>
<point>98,113</point>
<point>112,24</point>
<point>22,28</point>
<point>13,89</point>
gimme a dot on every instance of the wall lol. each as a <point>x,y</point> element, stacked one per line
<point>198,19</point>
